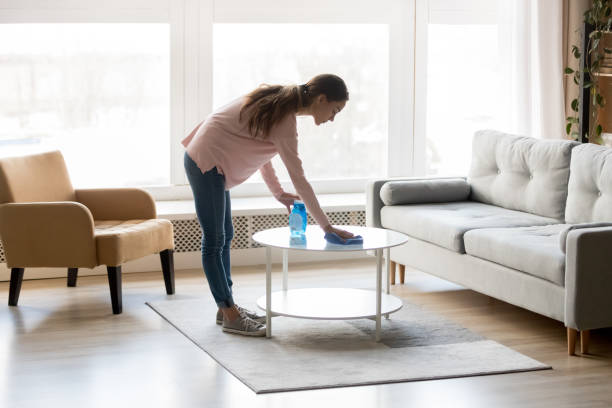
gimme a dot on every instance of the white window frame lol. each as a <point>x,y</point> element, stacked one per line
<point>438,12</point>
<point>191,82</point>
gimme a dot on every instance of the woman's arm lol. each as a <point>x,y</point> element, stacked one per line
<point>285,138</point>
<point>269,176</point>
<point>286,145</point>
<point>289,154</point>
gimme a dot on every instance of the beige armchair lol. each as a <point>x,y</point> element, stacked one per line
<point>45,222</point>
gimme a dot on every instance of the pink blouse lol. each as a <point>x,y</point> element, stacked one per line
<point>224,141</point>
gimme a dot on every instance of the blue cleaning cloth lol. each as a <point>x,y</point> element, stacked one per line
<point>334,238</point>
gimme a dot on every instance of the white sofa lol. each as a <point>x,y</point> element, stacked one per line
<point>530,225</point>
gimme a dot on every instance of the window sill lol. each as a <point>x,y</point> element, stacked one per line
<point>184,209</point>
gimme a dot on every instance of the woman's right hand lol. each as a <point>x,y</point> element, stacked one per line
<point>340,232</point>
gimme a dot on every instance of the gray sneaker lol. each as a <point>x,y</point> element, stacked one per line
<point>247,312</point>
<point>245,326</point>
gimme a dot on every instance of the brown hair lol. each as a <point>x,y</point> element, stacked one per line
<point>268,104</point>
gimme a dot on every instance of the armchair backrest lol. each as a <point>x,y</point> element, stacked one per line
<point>35,178</point>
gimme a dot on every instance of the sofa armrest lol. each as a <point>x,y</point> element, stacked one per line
<point>117,203</point>
<point>563,234</point>
<point>49,234</point>
<point>588,278</point>
<point>374,203</point>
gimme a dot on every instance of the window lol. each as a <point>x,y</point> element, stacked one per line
<point>117,87</point>
<point>355,144</point>
<point>462,91</point>
<point>459,71</point>
<point>98,92</point>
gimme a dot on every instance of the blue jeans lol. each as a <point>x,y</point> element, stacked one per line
<point>213,208</point>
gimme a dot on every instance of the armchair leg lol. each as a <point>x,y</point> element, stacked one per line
<point>15,286</point>
<point>392,272</point>
<point>167,262</point>
<point>72,276</point>
<point>114,282</point>
<point>585,336</point>
<point>571,341</point>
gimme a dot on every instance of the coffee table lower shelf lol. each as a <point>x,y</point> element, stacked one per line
<point>329,303</point>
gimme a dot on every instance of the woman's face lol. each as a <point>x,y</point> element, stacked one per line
<point>323,110</point>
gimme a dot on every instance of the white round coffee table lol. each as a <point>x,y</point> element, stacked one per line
<point>328,303</point>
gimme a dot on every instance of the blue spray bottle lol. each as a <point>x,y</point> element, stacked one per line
<point>298,219</point>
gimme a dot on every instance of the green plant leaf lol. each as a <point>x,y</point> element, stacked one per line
<point>598,130</point>
<point>575,105</point>
<point>568,70</point>
<point>568,128</point>
<point>595,34</point>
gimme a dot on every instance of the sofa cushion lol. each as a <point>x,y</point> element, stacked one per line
<point>533,250</point>
<point>444,224</point>
<point>425,191</point>
<point>520,173</point>
<point>589,196</point>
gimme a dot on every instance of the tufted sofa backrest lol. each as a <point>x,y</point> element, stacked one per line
<point>520,173</point>
<point>590,185</point>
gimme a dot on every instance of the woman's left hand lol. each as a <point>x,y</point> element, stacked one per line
<point>287,200</point>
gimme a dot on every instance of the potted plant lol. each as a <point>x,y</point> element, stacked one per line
<point>594,75</point>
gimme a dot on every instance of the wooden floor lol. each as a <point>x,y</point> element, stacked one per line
<point>63,347</point>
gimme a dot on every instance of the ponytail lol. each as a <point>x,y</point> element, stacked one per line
<point>269,104</point>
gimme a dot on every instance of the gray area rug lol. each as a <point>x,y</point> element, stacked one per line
<point>309,354</point>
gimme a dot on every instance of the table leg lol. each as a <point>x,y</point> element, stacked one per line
<point>268,292</point>
<point>285,268</point>
<point>388,260</point>
<point>388,264</point>
<point>378,291</point>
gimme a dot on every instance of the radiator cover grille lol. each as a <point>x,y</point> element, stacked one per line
<point>188,234</point>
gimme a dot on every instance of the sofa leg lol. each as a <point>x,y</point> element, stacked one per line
<point>72,276</point>
<point>585,336</point>
<point>114,282</point>
<point>571,341</point>
<point>15,285</point>
<point>392,272</point>
<point>167,262</point>
<point>402,272</point>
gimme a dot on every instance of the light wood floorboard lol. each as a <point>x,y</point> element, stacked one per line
<point>63,347</point>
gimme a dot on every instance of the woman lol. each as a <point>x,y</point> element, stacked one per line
<point>226,149</point>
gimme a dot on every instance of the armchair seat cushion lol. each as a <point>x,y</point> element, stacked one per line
<point>121,241</point>
<point>534,250</point>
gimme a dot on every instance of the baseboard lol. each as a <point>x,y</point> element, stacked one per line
<point>189,260</point>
